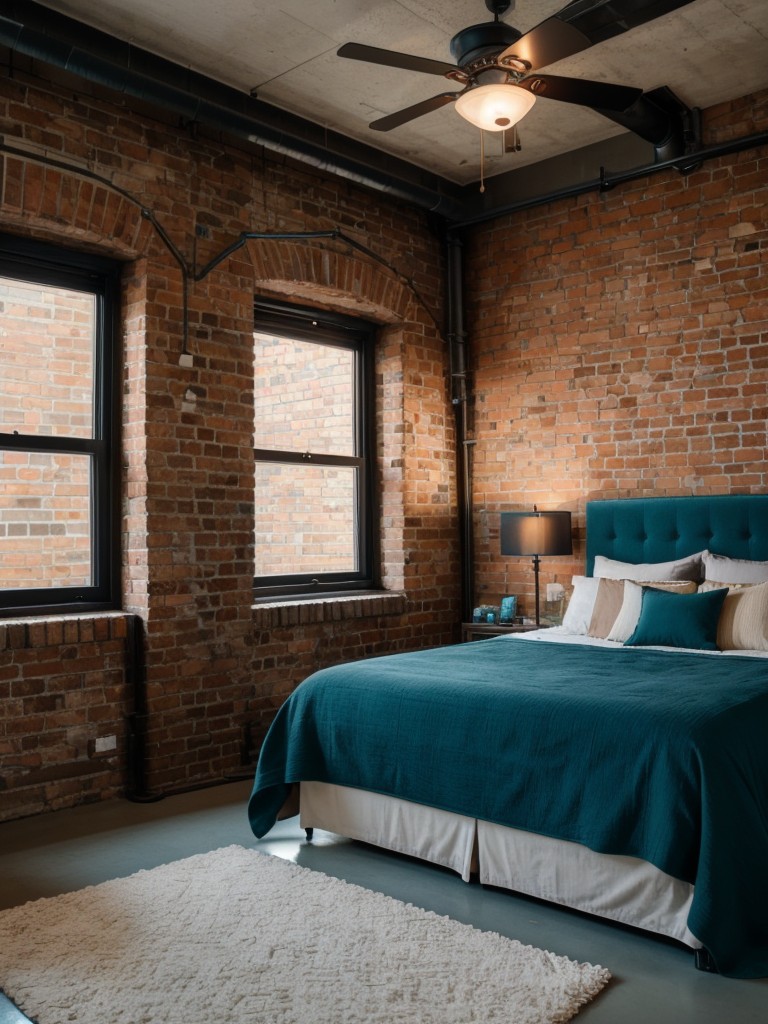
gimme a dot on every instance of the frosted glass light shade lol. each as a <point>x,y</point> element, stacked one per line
<point>494,108</point>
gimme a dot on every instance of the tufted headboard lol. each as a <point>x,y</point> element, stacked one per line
<point>661,529</point>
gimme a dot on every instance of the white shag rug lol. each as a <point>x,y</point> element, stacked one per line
<point>244,938</point>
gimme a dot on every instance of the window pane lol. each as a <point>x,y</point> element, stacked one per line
<point>46,359</point>
<point>45,534</point>
<point>305,519</point>
<point>304,396</point>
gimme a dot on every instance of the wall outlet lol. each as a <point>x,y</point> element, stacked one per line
<point>104,744</point>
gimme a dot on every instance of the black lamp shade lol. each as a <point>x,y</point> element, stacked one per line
<point>536,533</point>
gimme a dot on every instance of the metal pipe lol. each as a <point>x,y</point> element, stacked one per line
<point>459,400</point>
<point>685,164</point>
<point>136,681</point>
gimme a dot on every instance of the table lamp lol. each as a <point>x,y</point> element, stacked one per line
<point>536,533</point>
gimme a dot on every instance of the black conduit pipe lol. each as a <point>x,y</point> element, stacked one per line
<point>136,680</point>
<point>685,164</point>
<point>459,400</point>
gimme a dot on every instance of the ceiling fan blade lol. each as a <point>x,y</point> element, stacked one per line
<point>581,91</point>
<point>583,23</point>
<point>393,59</point>
<point>547,43</point>
<point>385,124</point>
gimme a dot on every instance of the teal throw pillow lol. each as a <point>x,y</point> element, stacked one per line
<point>668,619</point>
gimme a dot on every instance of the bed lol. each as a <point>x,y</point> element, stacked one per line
<point>617,764</point>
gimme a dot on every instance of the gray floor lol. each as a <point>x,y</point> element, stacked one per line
<point>653,981</point>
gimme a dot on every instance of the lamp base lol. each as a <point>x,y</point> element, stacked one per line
<point>536,586</point>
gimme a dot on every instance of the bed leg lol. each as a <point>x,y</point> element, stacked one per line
<point>704,962</point>
<point>309,833</point>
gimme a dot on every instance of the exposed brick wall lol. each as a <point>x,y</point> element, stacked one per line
<point>620,346</point>
<point>217,668</point>
<point>63,688</point>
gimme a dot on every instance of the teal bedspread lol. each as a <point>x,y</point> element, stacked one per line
<point>656,754</point>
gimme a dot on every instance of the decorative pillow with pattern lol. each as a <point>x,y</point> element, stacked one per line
<point>743,623</point>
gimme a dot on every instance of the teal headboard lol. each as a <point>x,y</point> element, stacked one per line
<point>660,529</point>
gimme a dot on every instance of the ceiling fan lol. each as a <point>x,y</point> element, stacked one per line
<point>497,67</point>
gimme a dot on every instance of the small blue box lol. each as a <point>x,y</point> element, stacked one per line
<point>508,610</point>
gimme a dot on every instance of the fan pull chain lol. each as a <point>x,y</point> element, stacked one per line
<point>482,160</point>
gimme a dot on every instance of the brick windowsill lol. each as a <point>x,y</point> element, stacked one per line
<point>53,631</point>
<point>308,611</point>
<point>48,631</point>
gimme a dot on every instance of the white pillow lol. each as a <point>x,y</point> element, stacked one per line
<point>624,624</point>
<point>734,570</point>
<point>688,568</point>
<point>578,614</point>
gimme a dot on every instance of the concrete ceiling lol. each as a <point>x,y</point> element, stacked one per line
<point>707,52</point>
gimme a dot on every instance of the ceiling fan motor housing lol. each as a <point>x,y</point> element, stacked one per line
<point>478,41</point>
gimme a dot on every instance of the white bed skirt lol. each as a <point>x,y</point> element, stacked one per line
<point>623,889</point>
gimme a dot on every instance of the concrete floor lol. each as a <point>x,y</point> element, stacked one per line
<point>653,980</point>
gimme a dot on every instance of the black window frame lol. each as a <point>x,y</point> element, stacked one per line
<point>357,335</point>
<point>45,263</point>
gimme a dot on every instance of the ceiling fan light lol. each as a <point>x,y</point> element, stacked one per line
<point>494,108</point>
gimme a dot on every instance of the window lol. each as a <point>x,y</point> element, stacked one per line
<point>58,542</point>
<point>313,435</point>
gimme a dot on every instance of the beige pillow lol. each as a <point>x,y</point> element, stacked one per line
<point>624,625</point>
<point>743,623</point>
<point>714,585</point>
<point>608,602</point>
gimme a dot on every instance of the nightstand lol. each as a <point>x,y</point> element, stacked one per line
<point>482,630</point>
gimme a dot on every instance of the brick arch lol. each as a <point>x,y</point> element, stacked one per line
<point>63,204</point>
<point>349,281</point>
